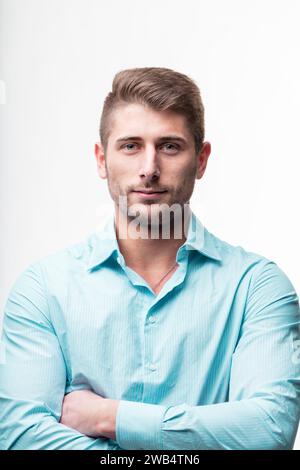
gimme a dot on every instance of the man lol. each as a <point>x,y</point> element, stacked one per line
<point>153,333</point>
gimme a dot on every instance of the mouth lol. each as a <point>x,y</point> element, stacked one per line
<point>149,194</point>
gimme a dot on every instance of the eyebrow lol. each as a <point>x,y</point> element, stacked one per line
<point>160,139</point>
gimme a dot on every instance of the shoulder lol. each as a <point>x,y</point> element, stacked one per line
<point>235,256</point>
<point>56,266</point>
<point>259,269</point>
<point>268,290</point>
<point>71,257</point>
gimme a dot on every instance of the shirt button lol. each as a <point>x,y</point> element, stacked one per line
<point>152,320</point>
<point>152,367</point>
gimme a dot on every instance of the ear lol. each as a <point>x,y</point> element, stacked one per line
<point>100,157</point>
<point>202,159</point>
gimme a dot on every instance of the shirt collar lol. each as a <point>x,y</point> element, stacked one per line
<point>103,243</point>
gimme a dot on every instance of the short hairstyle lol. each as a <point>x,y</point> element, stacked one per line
<point>161,89</point>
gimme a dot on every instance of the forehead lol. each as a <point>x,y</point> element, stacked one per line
<point>140,120</point>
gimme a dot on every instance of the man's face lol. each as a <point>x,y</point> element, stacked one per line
<point>151,151</point>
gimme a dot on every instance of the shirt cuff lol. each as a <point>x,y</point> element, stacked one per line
<point>139,425</point>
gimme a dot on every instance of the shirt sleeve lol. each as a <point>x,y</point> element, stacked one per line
<point>263,408</point>
<point>33,374</point>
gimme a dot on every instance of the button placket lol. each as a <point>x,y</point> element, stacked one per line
<point>150,320</point>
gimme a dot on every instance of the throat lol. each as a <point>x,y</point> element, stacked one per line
<point>157,279</point>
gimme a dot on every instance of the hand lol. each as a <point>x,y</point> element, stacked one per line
<point>90,414</point>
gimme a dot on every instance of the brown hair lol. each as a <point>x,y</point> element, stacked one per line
<point>161,89</point>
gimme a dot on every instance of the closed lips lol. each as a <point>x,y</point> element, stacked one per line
<point>148,192</point>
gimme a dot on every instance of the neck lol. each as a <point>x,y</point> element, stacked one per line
<point>141,252</point>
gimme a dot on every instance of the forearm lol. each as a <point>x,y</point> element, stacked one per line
<point>107,421</point>
<point>246,424</point>
<point>31,426</point>
<point>90,414</point>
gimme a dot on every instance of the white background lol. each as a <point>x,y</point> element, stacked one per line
<point>58,59</point>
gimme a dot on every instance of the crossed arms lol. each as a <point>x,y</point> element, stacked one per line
<point>262,411</point>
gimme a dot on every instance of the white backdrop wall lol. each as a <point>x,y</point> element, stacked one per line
<point>58,59</point>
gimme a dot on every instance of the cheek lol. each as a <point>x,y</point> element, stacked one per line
<point>191,172</point>
<point>120,169</point>
<point>119,178</point>
<point>183,176</point>
<point>183,183</point>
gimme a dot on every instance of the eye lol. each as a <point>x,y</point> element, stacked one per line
<point>126,146</point>
<point>171,147</point>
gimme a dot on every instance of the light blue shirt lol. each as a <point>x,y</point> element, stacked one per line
<point>211,362</point>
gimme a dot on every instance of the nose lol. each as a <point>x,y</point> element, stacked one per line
<point>149,165</point>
